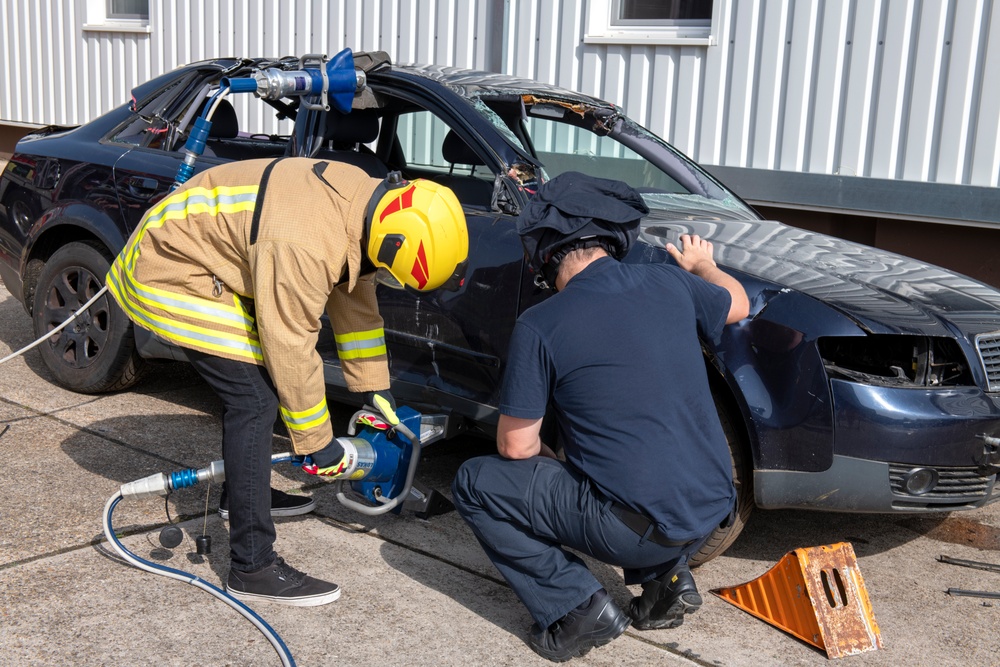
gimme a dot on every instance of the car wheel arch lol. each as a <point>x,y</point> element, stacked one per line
<point>733,416</point>
<point>56,233</point>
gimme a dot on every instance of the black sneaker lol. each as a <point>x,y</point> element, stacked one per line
<point>282,504</point>
<point>665,600</point>
<point>594,623</point>
<point>280,582</point>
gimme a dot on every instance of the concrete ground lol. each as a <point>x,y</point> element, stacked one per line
<point>415,592</point>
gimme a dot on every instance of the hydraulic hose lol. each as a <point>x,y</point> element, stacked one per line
<point>155,568</point>
<point>161,484</point>
<point>58,328</point>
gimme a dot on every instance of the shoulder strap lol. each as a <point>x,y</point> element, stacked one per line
<point>259,206</point>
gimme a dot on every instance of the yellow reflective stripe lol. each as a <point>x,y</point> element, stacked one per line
<point>182,332</point>
<point>201,309</point>
<point>223,199</point>
<point>361,344</point>
<point>306,419</point>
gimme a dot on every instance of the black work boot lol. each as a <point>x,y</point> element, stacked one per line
<point>665,600</point>
<point>594,623</point>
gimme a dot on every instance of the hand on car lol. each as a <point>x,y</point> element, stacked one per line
<point>697,254</point>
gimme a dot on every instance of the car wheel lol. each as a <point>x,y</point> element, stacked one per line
<point>96,352</point>
<point>739,451</point>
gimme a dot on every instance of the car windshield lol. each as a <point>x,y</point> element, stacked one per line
<point>600,141</point>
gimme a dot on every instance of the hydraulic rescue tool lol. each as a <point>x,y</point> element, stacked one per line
<point>319,82</point>
<point>382,462</point>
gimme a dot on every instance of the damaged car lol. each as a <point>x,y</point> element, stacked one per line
<point>862,381</point>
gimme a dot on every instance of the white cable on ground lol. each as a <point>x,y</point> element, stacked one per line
<point>58,328</point>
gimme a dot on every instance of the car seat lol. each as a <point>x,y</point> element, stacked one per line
<point>468,189</point>
<point>347,135</point>
<point>225,125</point>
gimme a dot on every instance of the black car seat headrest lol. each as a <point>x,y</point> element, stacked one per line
<point>456,151</point>
<point>357,127</point>
<point>225,125</point>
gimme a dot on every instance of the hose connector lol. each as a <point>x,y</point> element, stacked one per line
<point>154,485</point>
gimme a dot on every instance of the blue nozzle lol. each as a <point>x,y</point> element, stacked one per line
<point>183,478</point>
<point>199,134</point>
<point>274,83</point>
<point>343,80</point>
<point>248,85</point>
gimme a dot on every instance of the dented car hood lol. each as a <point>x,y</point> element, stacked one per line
<point>881,291</point>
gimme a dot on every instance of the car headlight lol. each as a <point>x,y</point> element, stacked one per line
<point>896,360</point>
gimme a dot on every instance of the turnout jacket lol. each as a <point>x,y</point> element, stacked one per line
<point>241,262</point>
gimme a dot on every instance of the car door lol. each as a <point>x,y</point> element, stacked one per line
<point>451,345</point>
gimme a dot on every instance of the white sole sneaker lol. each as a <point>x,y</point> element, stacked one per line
<point>305,508</point>
<point>305,601</point>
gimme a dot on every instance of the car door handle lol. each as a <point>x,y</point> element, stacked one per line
<point>140,187</point>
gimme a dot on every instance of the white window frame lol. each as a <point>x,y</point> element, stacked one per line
<point>98,21</point>
<point>603,28</point>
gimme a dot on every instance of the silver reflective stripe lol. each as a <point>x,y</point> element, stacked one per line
<point>175,332</point>
<point>177,304</point>
<point>351,346</point>
<point>306,419</point>
<point>188,201</point>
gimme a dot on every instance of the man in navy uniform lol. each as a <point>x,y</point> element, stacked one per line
<point>647,474</point>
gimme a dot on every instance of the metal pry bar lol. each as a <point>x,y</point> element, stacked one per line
<point>974,594</point>
<point>989,567</point>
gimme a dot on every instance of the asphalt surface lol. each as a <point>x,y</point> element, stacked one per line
<point>415,592</point>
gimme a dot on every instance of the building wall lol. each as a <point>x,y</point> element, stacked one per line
<point>61,67</point>
<point>786,101</point>
<point>891,89</point>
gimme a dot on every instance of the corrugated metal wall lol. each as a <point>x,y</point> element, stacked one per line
<point>898,89</point>
<point>57,72</point>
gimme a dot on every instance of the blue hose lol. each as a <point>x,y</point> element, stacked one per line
<point>155,568</point>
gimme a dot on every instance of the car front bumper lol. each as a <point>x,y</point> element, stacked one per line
<point>860,485</point>
<point>887,440</point>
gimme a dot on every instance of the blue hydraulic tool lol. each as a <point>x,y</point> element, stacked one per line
<point>381,467</point>
<point>318,81</point>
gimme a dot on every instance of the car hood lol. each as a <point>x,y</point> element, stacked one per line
<point>881,291</point>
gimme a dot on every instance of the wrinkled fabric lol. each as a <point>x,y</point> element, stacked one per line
<point>573,206</point>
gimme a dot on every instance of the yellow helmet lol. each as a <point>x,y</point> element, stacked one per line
<point>416,235</point>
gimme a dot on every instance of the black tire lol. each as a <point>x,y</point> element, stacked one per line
<point>96,353</point>
<point>739,451</point>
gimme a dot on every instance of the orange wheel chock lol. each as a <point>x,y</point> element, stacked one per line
<point>816,594</point>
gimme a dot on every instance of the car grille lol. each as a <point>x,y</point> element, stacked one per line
<point>955,484</point>
<point>989,353</point>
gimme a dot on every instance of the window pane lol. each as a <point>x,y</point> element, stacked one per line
<point>128,9</point>
<point>658,10</point>
<point>563,147</point>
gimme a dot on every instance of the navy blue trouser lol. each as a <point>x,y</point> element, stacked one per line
<point>524,511</point>
<point>250,408</point>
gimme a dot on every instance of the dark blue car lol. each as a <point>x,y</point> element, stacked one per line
<point>862,381</point>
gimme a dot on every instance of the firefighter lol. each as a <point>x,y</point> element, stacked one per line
<point>237,266</point>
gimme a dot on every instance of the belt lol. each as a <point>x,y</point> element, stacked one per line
<point>645,527</point>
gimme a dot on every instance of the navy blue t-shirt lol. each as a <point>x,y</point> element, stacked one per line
<point>617,352</point>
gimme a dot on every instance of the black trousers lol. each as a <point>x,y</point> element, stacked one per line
<point>250,408</point>
<point>524,512</point>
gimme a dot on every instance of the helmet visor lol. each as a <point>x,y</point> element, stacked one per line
<point>384,277</point>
